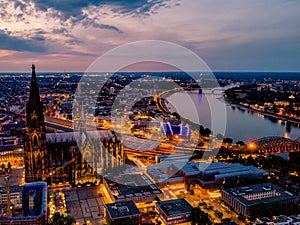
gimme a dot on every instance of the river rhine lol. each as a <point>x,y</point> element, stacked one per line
<point>241,124</point>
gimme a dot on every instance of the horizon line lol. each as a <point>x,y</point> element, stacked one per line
<point>225,71</point>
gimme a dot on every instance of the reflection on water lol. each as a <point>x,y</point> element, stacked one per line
<point>241,124</point>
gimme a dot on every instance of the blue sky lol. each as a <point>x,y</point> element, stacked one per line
<point>229,35</point>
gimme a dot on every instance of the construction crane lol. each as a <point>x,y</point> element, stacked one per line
<point>5,174</point>
<point>6,177</point>
<point>7,187</point>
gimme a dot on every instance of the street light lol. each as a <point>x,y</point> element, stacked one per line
<point>251,146</point>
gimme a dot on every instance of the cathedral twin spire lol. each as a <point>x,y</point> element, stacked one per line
<point>33,105</point>
<point>34,89</point>
<point>35,148</point>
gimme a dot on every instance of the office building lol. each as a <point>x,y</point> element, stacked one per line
<point>174,211</point>
<point>122,211</point>
<point>132,186</point>
<point>34,205</point>
<point>241,199</point>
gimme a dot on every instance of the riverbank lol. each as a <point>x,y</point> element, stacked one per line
<point>253,124</point>
<point>294,121</point>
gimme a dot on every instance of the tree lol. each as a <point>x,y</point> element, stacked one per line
<point>219,214</point>
<point>2,166</point>
<point>158,221</point>
<point>228,140</point>
<point>198,217</point>
<point>220,136</point>
<point>225,220</point>
<point>59,219</point>
<point>204,131</point>
<point>240,143</point>
<point>241,218</point>
<point>175,114</point>
<point>125,222</point>
<point>191,187</point>
<point>207,132</point>
<point>250,161</point>
<point>273,209</point>
<point>200,144</point>
<point>9,166</point>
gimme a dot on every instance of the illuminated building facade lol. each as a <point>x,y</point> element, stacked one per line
<point>34,201</point>
<point>176,132</point>
<point>174,211</point>
<point>241,199</point>
<point>70,158</point>
<point>35,149</point>
<point>132,186</point>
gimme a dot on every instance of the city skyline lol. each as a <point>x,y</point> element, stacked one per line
<point>229,36</point>
<point>142,171</point>
<point>149,112</point>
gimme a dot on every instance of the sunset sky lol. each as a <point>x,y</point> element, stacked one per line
<point>229,35</point>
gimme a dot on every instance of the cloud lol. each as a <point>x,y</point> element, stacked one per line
<point>277,54</point>
<point>8,42</point>
<point>107,27</point>
<point>38,38</point>
<point>61,30</point>
<point>87,22</point>
<point>73,12</point>
<point>19,4</point>
<point>74,41</point>
<point>138,6</point>
<point>229,34</point>
<point>73,8</point>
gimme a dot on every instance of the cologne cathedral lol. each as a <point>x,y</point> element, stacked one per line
<point>56,158</point>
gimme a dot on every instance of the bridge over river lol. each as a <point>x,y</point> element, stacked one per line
<point>274,145</point>
<point>58,124</point>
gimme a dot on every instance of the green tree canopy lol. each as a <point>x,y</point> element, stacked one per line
<point>59,219</point>
<point>199,217</point>
<point>124,222</point>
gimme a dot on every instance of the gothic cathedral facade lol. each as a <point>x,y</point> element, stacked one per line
<point>56,158</point>
<point>35,149</point>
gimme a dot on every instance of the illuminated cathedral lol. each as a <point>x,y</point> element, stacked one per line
<point>73,158</point>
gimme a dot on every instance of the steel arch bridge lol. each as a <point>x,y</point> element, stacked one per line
<point>274,144</point>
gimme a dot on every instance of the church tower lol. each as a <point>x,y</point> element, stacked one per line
<point>35,139</point>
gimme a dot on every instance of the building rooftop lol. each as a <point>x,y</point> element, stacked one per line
<point>175,207</point>
<point>260,193</point>
<point>227,223</point>
<point>120,210</point>
<point>264,220</point>
<point>71,136</point>
<point>38,190</point>
<point>282,219</point>
<point>295,219</point>
<point>223,168</point>
<point>13,189</point>
<point>206,171</point>
<point>132,185</point>
<point>139,144</point>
